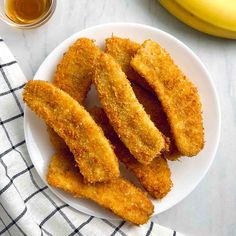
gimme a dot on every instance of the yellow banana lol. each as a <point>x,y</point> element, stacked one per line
<point>221,13</point>
<point>179,12</point>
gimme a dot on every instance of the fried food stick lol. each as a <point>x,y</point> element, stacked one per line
<point>74,72</point>
<point>155,177</point>
<point>92,151</point>
<point>154,109</point>
<point>125,113</point>
<point>177,94</point>
<point>117,195</point>
<point>122,50</point>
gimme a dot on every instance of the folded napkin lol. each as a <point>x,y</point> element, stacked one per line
<point>27,206</point>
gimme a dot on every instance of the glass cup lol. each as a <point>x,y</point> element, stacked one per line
<point>38,22</point>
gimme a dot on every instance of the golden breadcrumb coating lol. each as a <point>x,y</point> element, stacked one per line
<point>155,177</point>
<point>177,94</point>
<point>125,113</point>
<point>154,109</point>
<point>92,151</point>
<point>117,195</point>
<point>122,50</point>
<point>74,72</point>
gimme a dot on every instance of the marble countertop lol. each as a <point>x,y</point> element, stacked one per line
<point>211,208</point>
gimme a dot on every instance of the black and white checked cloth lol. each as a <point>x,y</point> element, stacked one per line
<point>27,206</point>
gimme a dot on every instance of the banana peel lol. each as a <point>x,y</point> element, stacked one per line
<point>221,13</point>
<point>192,20</point>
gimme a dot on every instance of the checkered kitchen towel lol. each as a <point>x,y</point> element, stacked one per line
<point>27,206</point>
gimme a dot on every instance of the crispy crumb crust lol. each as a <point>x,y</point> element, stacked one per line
<point>177,94</point>
<point>92,151</point>
<point>117,195</point>
<point>74,76</point>
<point>155,177</point>
<point>74,72</point>
<point>126,114</point>
<point>122,50</point>
<point>154,109</point>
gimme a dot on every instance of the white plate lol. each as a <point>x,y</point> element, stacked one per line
<point>188,172</point>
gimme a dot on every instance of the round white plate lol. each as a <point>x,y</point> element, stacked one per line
<point>188,172</point>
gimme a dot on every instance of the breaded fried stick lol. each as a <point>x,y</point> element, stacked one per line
<point>125,113</point>
<point>122,50</point>
<point>117,195</point>
<point>177,94</point>
<point>74,72</point>
<point>92,151</point>
<point>155,177</point>
<point>154,109</point>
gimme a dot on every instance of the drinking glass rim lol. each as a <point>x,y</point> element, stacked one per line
<point>45,17</point>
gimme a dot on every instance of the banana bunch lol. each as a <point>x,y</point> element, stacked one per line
<point>214,17</point>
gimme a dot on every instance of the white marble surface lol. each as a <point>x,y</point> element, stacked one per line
<point>211,208</point>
